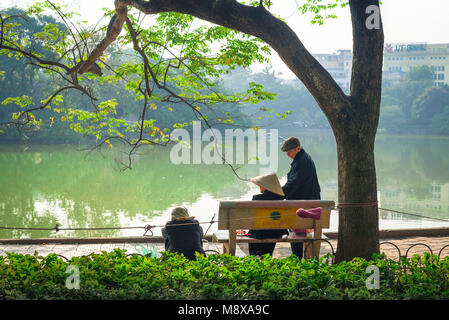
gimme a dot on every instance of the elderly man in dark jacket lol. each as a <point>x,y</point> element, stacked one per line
<point>302,181</point>
<point>183,234</point>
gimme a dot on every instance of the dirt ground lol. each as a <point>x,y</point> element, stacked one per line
<point>392,247</point>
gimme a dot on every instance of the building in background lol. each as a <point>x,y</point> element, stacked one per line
<point>339,65</point>
<point>400,58</point>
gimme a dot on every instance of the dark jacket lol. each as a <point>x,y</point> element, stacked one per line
<point>183,236</point>
<point>267,195</point>
<point>302,181</point>
<point>267,233</point>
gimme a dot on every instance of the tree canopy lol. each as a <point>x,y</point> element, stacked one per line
<point>171,68</point>
<point>415,104</point>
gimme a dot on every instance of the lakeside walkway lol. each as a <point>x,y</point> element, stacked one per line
<point>407,246</point>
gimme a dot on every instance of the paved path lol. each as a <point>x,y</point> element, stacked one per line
<point>282,250</point>
<point>404,244</point>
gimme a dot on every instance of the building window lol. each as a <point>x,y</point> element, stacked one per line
<point>441,76</point>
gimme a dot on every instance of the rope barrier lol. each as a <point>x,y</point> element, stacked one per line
<point>414,214</point>
<point>357,205</point>
<point>211,222</point>
<point>57,228</point>
<point>148,228</point>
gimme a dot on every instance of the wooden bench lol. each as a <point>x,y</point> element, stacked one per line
<point>271,214</point>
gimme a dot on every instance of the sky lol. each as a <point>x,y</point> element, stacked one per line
<point>403,21</point>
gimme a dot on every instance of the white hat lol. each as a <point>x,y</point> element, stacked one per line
<point>270,182</point>
<point>180,213</point>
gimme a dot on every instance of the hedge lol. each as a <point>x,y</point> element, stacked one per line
<point>117,275</point>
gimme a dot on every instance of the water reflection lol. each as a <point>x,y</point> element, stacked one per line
<point>44,185</point>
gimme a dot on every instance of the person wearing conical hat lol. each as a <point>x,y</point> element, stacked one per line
<point>183,234</point>
<point>270,189</point>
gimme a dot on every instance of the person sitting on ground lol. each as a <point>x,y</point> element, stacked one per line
<point>183,234</point>
<point>270,189</point>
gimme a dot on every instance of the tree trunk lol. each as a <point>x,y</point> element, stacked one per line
<point>355,130</point>
<point>358,227</point>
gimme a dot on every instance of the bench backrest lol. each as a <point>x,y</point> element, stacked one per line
<point>271,214</point>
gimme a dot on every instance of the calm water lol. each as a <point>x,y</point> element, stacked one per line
<point>44,185</point>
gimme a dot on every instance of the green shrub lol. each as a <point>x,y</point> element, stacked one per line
<point>116,275</point>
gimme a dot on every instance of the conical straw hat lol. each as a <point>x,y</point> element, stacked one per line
<point>270,182</point>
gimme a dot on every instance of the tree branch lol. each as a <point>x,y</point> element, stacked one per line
<point>366,79</point>
<point>32,56</point>
<point>114,31</point>
<point>258,22</point>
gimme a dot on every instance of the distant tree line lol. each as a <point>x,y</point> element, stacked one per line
<point>415,105</point>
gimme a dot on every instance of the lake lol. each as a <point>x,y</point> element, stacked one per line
<point>43,185</point>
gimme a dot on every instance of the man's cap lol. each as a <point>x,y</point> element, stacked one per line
<point>180,213</point>
<point>270,182</point>
<point>290,143</point>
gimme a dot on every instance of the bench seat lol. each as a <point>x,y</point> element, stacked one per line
<point>223,237</point>
<point>271,214</point>
<point>292,237</point>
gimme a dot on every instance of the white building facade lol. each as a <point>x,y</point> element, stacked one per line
<point>400,58</point>
<point>339,65</point>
